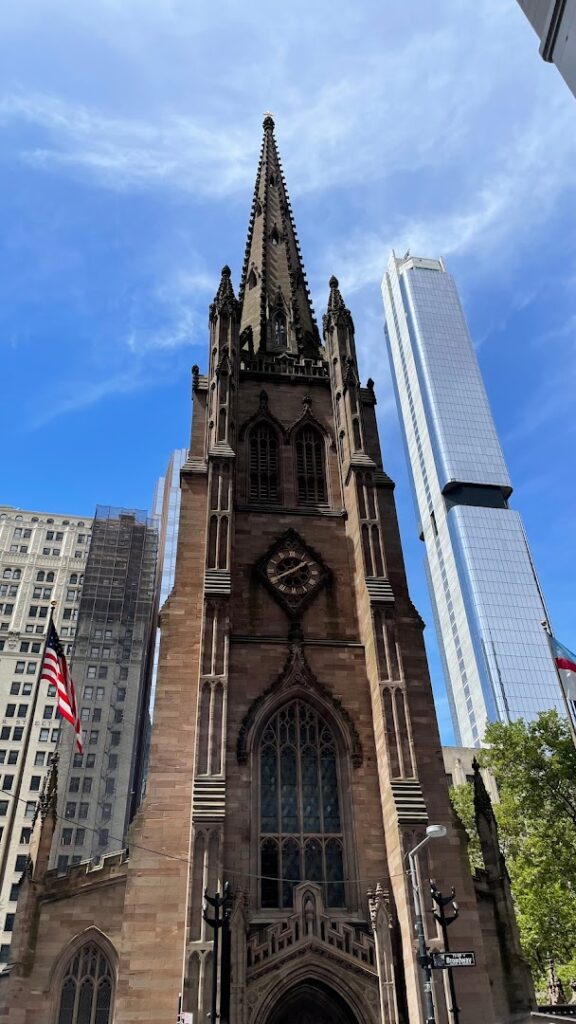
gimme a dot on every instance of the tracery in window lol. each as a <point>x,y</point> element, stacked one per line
<point>86,993</point>
<point>263,463</point>
<point>301,837</point>
<point>310,467</point>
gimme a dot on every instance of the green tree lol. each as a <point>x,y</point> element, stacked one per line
<point>535,768</point>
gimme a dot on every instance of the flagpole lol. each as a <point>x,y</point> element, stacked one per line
<point>546,627</point>
<point>24,755</point>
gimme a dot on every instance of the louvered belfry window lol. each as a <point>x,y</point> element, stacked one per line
<point>86,993</point>
<point>264,464</point>
<point>310,467</point>
<point>301,835</point>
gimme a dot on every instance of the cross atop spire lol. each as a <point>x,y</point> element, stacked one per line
<point>277,314</point>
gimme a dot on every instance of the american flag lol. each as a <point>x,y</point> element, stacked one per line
<point>55,673</point>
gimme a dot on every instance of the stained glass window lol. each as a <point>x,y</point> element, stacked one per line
<point>310,469</point>
<point>263,463</point>
<point>300,817</point>
<point>86,993</point>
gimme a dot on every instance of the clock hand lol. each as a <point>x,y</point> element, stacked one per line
<point>288,571</point>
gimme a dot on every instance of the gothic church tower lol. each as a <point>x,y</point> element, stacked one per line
<point>295,752</point>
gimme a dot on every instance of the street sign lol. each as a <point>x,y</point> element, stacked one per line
<point>441,961</point>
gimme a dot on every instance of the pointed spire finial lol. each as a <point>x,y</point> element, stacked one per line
<point>225,300</point>
<point>337,310</point>
<point>274,295</point>
<point>335,302</point>
<point>482,801</point>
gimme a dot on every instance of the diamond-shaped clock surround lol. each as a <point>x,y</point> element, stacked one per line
<point>289,547</point>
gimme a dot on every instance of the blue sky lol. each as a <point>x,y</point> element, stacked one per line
<point>130,138</point>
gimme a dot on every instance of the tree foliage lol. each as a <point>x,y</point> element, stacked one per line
<point>535,768</point>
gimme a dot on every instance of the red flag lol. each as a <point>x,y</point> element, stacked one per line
<point>55,673</point>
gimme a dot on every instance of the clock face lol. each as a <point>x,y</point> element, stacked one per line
<point>292,572</point>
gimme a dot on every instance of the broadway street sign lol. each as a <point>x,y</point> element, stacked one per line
<point>441,961</point>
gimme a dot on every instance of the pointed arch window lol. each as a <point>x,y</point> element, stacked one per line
<point>310,467</point>
<point>301,834</point>
<point>264,463</point>
<point>86,992</point>
<point>279,324</point>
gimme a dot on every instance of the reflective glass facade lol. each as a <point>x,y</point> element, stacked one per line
<point>485,594</point>
<point>166,509</point>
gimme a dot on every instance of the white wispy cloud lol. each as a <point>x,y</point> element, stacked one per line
<point>364,106</point>
<point>76,394</point>
<point>125,153</point>
<point>405,117</point>
<point>171,335</point>
<point>499,209</point>
<point>173,314</point>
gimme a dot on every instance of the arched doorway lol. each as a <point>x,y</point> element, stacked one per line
<point>311,1003</point>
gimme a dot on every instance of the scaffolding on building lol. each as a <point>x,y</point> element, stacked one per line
<point>111,666</point>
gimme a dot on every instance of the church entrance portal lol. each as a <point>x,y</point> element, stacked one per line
<point>311,1003</point>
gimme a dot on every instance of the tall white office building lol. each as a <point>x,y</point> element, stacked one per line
<point>485,595</point>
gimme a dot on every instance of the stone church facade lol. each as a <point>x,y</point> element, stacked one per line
<point>295,750</point>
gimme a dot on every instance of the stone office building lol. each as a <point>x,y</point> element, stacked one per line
<point>42,561</point>
<point>295,751</point>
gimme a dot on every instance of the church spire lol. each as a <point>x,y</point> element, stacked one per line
<point>277,314</point>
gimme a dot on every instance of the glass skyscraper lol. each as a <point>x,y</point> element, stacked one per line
<point>166,511</point>
<point>485,595</point>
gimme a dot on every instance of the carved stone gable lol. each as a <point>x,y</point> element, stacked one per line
<point>310,928</point>
<point>298,674</point>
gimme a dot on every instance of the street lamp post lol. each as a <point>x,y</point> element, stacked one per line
<point>432,832</point>
<point>445,921</point>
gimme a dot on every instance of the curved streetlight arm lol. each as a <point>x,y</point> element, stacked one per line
<point>433,832</point>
